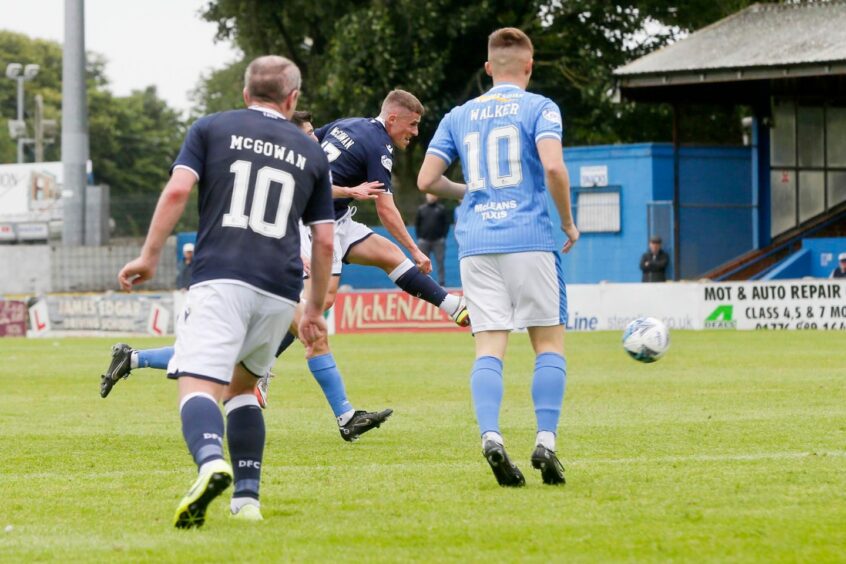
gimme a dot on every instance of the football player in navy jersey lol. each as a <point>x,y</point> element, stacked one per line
<point>509,144</point>
<point>258,177</point>
<point>352,423</point>
<point>361,150</point>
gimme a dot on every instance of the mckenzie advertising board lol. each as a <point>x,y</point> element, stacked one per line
<point>388,312</point>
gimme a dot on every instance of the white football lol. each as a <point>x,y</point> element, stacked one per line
<point>646,339</point>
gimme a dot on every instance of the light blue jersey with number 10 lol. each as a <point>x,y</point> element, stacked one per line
<point>495,136</point>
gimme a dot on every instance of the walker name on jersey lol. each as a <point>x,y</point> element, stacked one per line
<point>268,149</point>
<point>495,210</point>
<point>500,110</point>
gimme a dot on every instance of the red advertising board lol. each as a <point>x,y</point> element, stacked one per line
<point>12,318</point>
<point>388,312</point>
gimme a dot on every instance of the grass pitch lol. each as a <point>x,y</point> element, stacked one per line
<point>732,448</point>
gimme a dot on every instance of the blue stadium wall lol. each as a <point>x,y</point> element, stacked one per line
<point>817,258</point>
<point>716,213</point>
<point>717,209</point>
<point>644,174</point>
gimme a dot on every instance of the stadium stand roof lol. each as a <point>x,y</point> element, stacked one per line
<point>763,43</point>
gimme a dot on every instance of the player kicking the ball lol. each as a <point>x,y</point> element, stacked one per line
<point>509,143</point>
<point>352,423</point>
<point>360,153</point>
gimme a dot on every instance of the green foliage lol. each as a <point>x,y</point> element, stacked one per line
<point>729,449</point>
<point>220,90</point>
<point>132,139</point>
<point>352,53</point>
<point>18,48</point>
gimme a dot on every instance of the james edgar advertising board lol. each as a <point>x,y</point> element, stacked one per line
<point>795,304</point>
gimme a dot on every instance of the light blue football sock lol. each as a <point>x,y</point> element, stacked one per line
<point>326,373</point>
<point>486,387</point>
<point>155,358</point>
<point>548,389</point>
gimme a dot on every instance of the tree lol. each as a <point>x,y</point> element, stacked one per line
<point>18,48</point>
<point>352,53</point>
<point>133,139</point>
<point>220,90</point>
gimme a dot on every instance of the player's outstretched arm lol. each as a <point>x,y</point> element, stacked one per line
<point>169,209</point>
<point>391,218</point>
<point>312,326</point>
<point>431,179</point>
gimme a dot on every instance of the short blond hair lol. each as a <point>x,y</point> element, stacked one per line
<point>402,99</point>
<point>271,78</point>
<point>509,37</point>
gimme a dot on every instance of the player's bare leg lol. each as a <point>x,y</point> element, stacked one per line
<point>263,384</point>
<point>352,423</point>
<point>548,395</point>
<point>487,389</point>
<point>382,253</point>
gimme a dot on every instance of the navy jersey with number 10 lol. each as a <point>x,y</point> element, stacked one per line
<point>258,175</point>
<point>495,136</point>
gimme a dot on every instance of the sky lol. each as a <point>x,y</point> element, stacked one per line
<point>146,42</point>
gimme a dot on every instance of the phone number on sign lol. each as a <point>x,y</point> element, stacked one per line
<point>798,317</point>
<point>834,325</point>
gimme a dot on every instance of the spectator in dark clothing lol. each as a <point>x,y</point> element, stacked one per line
<point>840,271</point>
<point>183,278</point>
<point>432,226</point>
<point>654,262</point>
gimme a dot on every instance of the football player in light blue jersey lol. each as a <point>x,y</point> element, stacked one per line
<point>509,144</point>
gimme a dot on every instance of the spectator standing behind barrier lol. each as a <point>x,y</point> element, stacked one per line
<point>654,262</point>
<point>432,226</point>
<point>183,279</point>
<point>840,271</point>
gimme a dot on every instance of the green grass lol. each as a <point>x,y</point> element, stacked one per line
<point>732,448</point>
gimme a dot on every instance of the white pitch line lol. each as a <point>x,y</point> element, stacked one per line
<point>818,455</point>
<point>711,457</point>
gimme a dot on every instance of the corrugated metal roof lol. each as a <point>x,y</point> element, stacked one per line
<point>765,37</point>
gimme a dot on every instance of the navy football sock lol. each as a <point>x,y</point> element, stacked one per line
<point>202,427</point>
<point>326,373</point>
<point>245,434</point>
<point>487,389</point>
<point>548,390</point>
<point>287,341</point>
<point>155,358</point>
<point>412,281</point>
